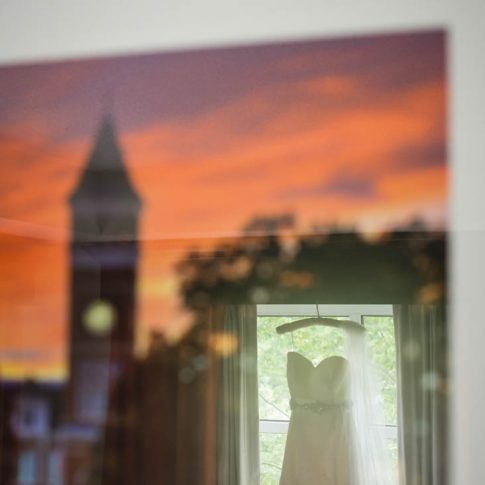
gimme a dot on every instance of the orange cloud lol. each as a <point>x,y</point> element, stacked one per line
<point>327,146</point>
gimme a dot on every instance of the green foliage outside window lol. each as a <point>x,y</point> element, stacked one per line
<point>316,343</point>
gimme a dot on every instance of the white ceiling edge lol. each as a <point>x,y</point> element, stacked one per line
<point>32,31</point>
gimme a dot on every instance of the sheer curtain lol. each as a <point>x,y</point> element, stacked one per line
<point>217,400</point>
<point>421,338</point>
<point>237,397</point>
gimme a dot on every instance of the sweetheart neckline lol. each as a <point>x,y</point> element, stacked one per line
<point>331,357</point>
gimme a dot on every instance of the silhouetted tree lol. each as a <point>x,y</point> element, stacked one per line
<point>404,265</point>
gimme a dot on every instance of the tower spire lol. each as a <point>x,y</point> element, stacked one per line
<point>105,175</point>
<point>108,103</point>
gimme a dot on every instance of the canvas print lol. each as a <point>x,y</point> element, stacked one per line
<point>226,265</point>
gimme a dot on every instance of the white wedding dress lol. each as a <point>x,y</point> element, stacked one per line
<point>319,442</point>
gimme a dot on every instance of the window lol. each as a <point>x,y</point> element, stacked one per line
<point>27,467</point>
<point>316,343</point>
<point>93,391</point>
<point>55,470</point>
<point>33,417</point>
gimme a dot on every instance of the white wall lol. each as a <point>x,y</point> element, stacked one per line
<point>41,29</point>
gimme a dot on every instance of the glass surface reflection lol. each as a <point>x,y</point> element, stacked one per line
<point>155,243</point>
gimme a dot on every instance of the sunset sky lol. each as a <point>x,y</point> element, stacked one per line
<point>344,131</point>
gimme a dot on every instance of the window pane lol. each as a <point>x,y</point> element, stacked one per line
<point>272,448</point>
<point>272,349</point>
<point>27,467</point>
<point>383,350</point>
<point>382,344</point>
<point>392,446</point>
<point>54,468</point>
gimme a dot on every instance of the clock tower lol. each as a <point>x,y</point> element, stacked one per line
<point>103,254</point>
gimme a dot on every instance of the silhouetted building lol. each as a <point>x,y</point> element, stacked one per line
<point>30,451</point>
<point>57,434</point>
<point>104,255</point>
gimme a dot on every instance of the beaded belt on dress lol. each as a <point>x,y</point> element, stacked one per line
<point>318,407</point>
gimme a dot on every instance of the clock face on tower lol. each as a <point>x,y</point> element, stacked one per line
<point>99,318</point>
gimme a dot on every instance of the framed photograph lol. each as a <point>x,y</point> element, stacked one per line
<point>239,254</point>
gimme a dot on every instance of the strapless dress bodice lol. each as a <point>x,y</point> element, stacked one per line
<point>326,383</point>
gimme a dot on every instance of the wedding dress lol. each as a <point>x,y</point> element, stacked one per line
<point>319,442</point>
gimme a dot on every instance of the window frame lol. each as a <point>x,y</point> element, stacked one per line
<point>355,312</point>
